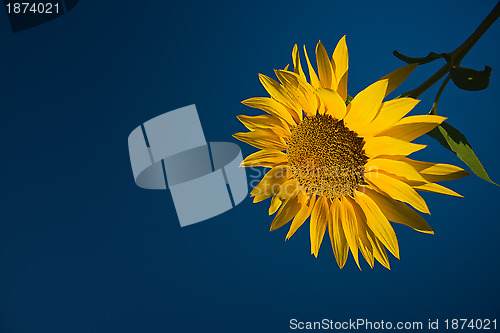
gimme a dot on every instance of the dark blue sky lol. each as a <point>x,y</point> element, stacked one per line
<point>83,249</point>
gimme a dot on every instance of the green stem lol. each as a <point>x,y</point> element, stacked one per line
<point>438,96</point>
<point>458,54</point>
<point>428,83</point>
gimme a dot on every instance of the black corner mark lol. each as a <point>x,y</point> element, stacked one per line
<point>26,14</point>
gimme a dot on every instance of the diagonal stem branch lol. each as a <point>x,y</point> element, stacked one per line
<point>456,56</point>
<point>438,96</point>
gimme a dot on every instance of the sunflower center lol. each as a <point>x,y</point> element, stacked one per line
<point>326,157</point>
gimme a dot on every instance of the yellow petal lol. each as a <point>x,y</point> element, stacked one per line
<point>260,197</point>
<point>301,216</point>
<point>297,67</point>
<point>394,166</point>
<point>385,145</point>
<point>437,172</point>
<point>277,92</point>
<point>389,114</point>
<point>265,158</point>
<point>378,223</point>
<point>337,236</point>
<point>261,139</point>
<point>341,58</point>
<point>288,189</point>
<point>325,70</point>
<point>364,244</point>
<point>378,250</point>
<point>312,74</point>
<point>436,188</point>
<point>349,225</point>
<point>398,190</point>
<point>270,106</point>
<point>272,181</point>
<point>266,122</point>
<point>300,90</point>
<point>318,224</point>
<point>399,212</point>
<point>412,127</point>
<point>342,87</point>
<point>286,67</point>
<point>287,211</point>
<point>366,249</point>
<point>365,105</point>
<point>275,205</point>
<point>335,105</point>
<point>398,76</point>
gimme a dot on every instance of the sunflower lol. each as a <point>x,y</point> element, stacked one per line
<point>341,161</point>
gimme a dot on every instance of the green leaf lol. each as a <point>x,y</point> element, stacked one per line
<point>348,100</point>
<point>430,57</point>
<point>452,139</point>
<point>470,79</point>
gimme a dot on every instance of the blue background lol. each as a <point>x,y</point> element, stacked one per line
<point>83,249</point>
